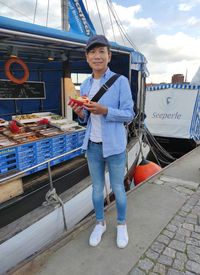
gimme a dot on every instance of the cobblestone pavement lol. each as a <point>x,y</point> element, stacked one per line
<point>176,251</point>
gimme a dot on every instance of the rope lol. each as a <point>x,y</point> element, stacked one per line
<point>34,16</point>
<point>100,17</point>
<point>52,198</point>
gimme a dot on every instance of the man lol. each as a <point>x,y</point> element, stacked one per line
<point>105,139</point>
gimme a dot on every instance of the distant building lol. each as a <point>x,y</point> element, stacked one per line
<point>177,78</point>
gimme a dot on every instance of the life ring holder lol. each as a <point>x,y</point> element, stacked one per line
<point>9,74</point>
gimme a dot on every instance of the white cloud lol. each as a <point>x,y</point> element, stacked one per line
<point>185,7</point>
<point>193,22</point>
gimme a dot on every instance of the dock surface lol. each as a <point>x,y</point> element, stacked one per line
<point>164,231</point>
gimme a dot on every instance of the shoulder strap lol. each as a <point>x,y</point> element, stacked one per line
<point>105,87</point>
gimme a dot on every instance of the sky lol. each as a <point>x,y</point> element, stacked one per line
<point>167,32</point>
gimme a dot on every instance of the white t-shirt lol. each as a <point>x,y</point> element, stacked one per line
<point>95,134</point>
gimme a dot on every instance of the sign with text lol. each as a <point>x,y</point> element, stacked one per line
<point>27,90</point>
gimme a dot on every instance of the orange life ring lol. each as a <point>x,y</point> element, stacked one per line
<point>9,74</point>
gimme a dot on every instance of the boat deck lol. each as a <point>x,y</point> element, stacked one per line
<point>164,230</point>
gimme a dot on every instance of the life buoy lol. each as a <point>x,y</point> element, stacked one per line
<point>9,74</point>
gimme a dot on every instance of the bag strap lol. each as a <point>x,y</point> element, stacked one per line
<point>105,87</point>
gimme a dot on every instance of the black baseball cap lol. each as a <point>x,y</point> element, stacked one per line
<point>97,40</point>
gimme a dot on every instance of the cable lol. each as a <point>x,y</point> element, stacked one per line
<point>111,21</point>
<point>47,13</point>
<point>100,17</point>
<point>36,2</point>
<point>121,26</point>
<point>16,10</point>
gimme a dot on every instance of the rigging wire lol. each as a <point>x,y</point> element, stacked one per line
<point>121,26</point>
<point>118,25</point>
<point>111,21</point>
<point>100,17</point>
<point>34,16</point>
<point>47,13</point>
<point>19,12</point>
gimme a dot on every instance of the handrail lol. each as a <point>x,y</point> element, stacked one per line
<point>35,166</point>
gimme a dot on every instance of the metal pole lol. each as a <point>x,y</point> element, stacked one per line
<point>64,15</point>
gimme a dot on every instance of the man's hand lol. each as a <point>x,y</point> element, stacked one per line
<point>96,108</point>
<point>77,109</point>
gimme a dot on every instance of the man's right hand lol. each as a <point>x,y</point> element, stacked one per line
<point>77,109</point>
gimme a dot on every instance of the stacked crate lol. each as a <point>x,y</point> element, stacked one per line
<point>27,155</point>
<point>8,160</point>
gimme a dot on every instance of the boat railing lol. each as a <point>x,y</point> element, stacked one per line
<point>48,161</point>
<point>51,197</point>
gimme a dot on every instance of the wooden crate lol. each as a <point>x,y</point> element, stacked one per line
<point>10,189</point>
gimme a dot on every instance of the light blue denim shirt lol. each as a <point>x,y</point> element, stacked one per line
<point>118,100</point>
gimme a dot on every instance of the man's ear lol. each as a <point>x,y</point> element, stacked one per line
<point>109,56</point>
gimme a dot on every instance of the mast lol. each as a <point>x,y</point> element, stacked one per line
<point>64,15</point>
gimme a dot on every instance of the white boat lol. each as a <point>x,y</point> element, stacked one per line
<point>174,120</point>
<point>56,199</point>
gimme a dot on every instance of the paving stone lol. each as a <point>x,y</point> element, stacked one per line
<point>193,249</point>
<point>178,264</point>
<point>192,241</point>
<point>169,252</point>
<point>194,257</point>
<point>152,254</point>
<point>177,245</point>
<point>196,210</point>
<point>179,218</point>
<point>188,226</point>
<point>193,266</point>
<point>168,233</point>
<point>163,239</point>
<point>136,271</point>
<point>145,264</point>
<point>179,237</point>
<point>189,273</point>
<point>184,190</point>
<point>171,227</point>
<point>166,260</point>
<point>193,185</point>
<point>191,220</point>
<point>181,256</point>
<point>157,247</point>
<point>184,232</point>
<point>187,207</point>
<point>160,269</point>
<point>172,271</point>
<point>197,228</point>
<point>182,213</point>
<point>195,235</point>
<point>193,201</point>
<point>176,223</point>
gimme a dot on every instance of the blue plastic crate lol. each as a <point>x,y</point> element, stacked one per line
<point>8,160</point>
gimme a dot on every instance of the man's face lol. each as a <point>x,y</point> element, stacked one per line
<point>98,58</point>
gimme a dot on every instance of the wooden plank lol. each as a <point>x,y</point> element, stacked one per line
<point>11,189</point>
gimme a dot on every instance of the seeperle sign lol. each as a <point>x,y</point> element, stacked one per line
<point>173,113</point>
<point>78,18</point>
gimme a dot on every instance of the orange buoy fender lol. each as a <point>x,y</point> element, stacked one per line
<point>9,74</point>
<point>145,170</point>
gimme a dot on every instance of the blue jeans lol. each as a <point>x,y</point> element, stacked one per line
<point>116,168</point>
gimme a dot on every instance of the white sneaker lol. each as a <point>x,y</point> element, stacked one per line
<point>122,236</point>
<point>95,237</point>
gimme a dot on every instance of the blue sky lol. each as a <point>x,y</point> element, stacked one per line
<point>166,32</point>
